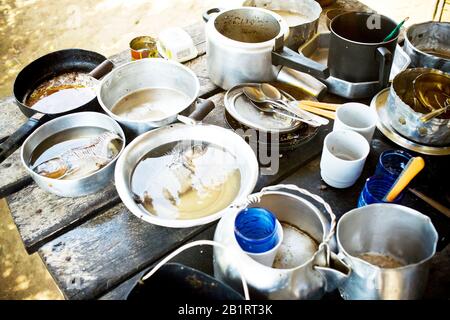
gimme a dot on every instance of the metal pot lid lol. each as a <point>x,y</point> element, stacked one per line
<point>379,104</point>
<point>243,110</point>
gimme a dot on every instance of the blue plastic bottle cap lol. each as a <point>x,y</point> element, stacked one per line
<point>256,230</point>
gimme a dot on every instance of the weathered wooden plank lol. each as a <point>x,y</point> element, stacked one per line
<point>11,170</point>
<point>40,216</point>
<point>117,230</point>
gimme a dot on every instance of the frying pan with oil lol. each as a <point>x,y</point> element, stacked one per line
<point>42,70</point>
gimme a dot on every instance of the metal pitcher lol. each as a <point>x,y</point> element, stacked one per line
<point>392,230</point>
<point>307,281</point>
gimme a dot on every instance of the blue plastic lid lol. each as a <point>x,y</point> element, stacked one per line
<point>256,230</point>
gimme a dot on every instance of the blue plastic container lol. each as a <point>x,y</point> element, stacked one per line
<point>256,230</point>
<point>375,189</point>
<point>391,163</point>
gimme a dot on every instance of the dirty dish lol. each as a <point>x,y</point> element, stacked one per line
<point>380,105</point>
<point>356,117</point>
<point>74,155</point>
<point>391,163</point>
<point>343,157</point>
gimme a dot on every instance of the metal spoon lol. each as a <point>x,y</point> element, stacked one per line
<point>255,95</point>
<point>436,112</point>
<point>273,94</point>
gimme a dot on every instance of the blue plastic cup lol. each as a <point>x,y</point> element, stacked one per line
<point>391,163</point>
<point>256,230</point>
<point>375,189</point>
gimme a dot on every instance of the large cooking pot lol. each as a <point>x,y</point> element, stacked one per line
<point>302,17</point>
<point>144,74</point>
<point>406,120</point>
<point>321,273</point>
<point>189,131</point>
<point>44,69</point>
<point>247,45</point>
<point>428,45</point>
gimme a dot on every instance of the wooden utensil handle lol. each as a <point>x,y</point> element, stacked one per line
<point>439,207</point>
<point>321,105</point>
<point>320,112</point>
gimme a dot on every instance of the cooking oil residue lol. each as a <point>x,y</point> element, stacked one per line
<point>150,103</point>
<point>62,93</point>
<point>381,260</point>
<point>186,180</point>
<point>296,249</point>
<point>75,153</point>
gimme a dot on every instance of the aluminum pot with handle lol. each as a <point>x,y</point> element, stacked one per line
<point>145,74</point>
<point>302,17</point>
<point>247,45</point>
<point>323,272</point>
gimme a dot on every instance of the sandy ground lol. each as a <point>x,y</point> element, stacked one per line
<point>31,28</point>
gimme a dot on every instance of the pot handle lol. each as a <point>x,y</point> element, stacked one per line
<point>195,244</point>
<point>102,69</point>
<point>207,15</point>
<point>336,273</point>
<point>255,198</point>
<point>385,59</point>
<point>14,141</point>
<point>289,58</point>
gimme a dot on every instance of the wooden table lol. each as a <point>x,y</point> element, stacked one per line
<point>95,248</point>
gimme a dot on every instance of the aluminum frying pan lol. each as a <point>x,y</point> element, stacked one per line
<point>44,69</point>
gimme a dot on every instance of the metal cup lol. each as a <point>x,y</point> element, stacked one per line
<point>387,229</point>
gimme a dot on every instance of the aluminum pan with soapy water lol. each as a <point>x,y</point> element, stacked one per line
<point>76,187</point>
<point>147,73</point>
<point>379,104</point>
<point>142,145</point>
<point>406,121</point>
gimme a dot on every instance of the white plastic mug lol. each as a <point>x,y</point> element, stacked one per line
<point>356,117</point>
<point>343,157</point>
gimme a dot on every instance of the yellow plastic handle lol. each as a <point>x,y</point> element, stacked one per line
<point>413,167</point>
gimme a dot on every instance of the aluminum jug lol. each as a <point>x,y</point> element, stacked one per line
<point>309,280</point>
<point>387,229</point>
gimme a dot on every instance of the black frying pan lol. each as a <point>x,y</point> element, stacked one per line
<point>177,282</point>
<point>41,70</point>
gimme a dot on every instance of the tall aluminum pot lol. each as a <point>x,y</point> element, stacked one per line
<point>428,45</point>
<point>405,120</point>
<point>299,31</point>
<point>246,44</point>
<point>388,229</point>
<point>308,281</point>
